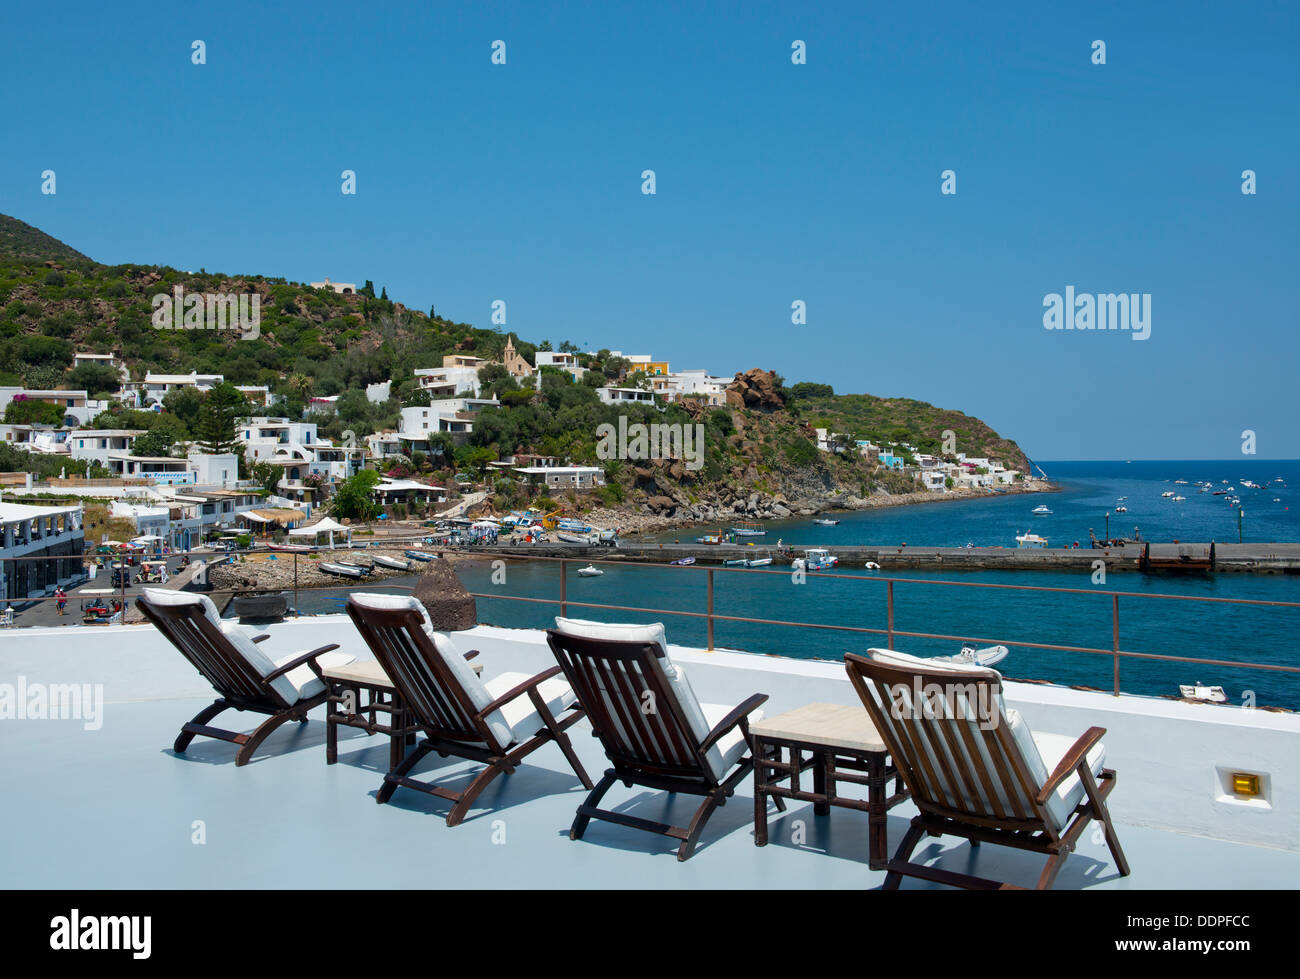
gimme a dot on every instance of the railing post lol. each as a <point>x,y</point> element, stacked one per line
<point>1114,636</point>
<point>564,587</point>
<point>295,584</point>
<point>710,619</point>
<point>889,587</point>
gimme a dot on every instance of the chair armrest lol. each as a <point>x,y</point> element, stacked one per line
<point>737,715</point>
<point>514,692</point>
<point>1076,756</point>
<point>262,638</point>
<point>471,654</point>
<point>297,661</point>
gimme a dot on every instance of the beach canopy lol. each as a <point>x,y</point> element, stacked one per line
<point>326,526</point>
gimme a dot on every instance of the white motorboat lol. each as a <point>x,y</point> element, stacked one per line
<point>590,571</point>
<point>398,564</point>
<point>1199,691</point>
<point>872,566</point>
<point>1042,508</point>
<point>343,570</point>
<point>758,562</point>
<point>1168,494</point>
<point>815,559</point>
<point>1180,499</point>
<point>1030,540</point>
<point>969,655</point>
<point>824,522</point>
<point>571,538</point>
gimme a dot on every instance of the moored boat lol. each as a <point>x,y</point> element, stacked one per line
<point>590,571</point>
<point>1030,540</point>
<point>815,559</point>
<point>419,555</point>
<point>758,562</point>
<point>824,522</point>
<point>970,655</point>
<point>396,563</point>
<point>682,562</point>
<point>1199,691</point>
<point>342,570</point>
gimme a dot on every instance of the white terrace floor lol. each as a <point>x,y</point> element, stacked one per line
<point>114,807</point>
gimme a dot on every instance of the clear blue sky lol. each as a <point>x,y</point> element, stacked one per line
<point>776,182</point>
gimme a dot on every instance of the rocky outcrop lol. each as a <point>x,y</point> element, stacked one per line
<point>450,607</point>
<point>756,390</point>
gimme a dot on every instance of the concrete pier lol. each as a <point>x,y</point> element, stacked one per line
<point>1229,558</point>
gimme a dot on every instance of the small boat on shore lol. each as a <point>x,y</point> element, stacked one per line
<point>571,538</point>
<point>682,562</point>
<point>590,571</point>
<point>1198,691</point>
<point>419,555</point>
<point>396,563</point>
<point>343,570</point>
<point>971,656</point>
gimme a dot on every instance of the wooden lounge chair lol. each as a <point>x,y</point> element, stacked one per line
<point>976,770</point>
<point>498,722</point>
<point>244,676</point>
<point>650,724</point>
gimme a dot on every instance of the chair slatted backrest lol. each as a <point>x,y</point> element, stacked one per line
<point>952,742</point>
<point>630,704</point>
<point>189,629</point>
<point>426,684</point>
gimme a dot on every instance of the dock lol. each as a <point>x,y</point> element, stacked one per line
<point>1146,557</point>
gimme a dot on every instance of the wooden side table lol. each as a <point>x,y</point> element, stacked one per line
<point>366,678</point>
<point>842,746</point>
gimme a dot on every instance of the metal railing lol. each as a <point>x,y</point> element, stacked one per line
<point>709,614</point>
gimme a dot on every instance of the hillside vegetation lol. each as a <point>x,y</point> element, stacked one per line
<point>315,343</point>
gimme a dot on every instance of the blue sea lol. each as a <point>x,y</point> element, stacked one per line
<point>1148,624</point>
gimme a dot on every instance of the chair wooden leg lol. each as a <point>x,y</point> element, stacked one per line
<point>467,797</point>
<point>914,833</point>
<point>566,746</point>
<point>245,753</point>
<point>1103,816</point>
<point>202,717</point>
<point>593,799</point>
<point>1054,865</point>
<point>702,814</point>
<point>390,784</point>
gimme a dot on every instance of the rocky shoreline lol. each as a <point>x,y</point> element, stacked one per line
<point>646,519</point>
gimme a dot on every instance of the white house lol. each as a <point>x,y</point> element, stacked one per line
<point>29,537</point>
<point>611,395</point>
<point>448,382</point>
<point>96,445</point>
<point>563,477</point>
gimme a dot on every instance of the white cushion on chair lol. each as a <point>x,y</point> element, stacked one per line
<point>613,631</point>
<point>732,745</point>
<point>478,693</point>
<point>728,750</point>
<point>305,681</point>
<point>1052,748</point>
<point>520,713</point>
<point>236,634</point>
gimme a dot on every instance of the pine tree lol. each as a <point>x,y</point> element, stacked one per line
<point>221,408</point>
